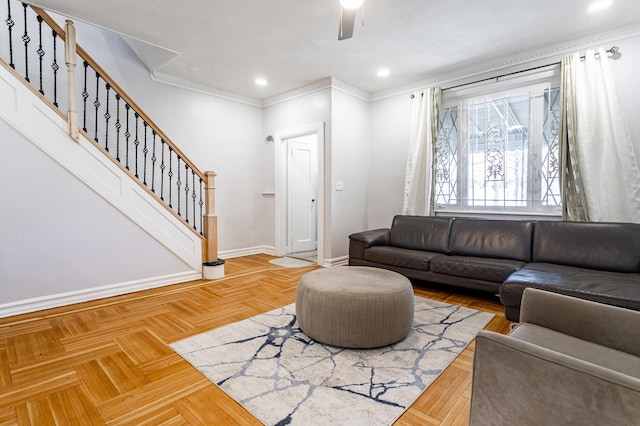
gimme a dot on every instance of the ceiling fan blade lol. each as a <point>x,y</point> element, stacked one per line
<point>347,20</point>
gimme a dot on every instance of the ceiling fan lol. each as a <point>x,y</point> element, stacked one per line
<point>348,10</point>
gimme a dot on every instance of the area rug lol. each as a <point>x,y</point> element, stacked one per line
<point>283,377</point>
<point>290,262</point>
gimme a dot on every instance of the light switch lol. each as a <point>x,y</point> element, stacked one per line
<point>339,186</point>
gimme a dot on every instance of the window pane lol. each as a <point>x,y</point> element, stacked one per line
<point>446,170</point>
<point>500,152</point>
<point>551,149</point>
<point>498,149</point>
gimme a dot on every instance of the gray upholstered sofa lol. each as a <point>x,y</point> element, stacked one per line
<point>594,261</point>
<point>568,362</point>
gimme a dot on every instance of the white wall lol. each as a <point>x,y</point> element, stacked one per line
<point>625,71</point>
<point>346,159</point>
<point>59,236</point>
<point>228,137</point>
<point>217,134</point>
<point>390,128</point>
<point>299,111</point>
<point>350,166</point>
<point>390,125</point>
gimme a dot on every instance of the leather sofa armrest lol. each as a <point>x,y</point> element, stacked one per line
<point>375,237</point>
<point>517,382</point>
<point>606,325</point>
<point>360,241</point>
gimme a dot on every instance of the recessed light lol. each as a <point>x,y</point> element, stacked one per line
<point>351,4</point>
<point>260,81</point>
<point>383,72</point>
<point>599,5</point>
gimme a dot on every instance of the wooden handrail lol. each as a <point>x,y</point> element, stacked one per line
<point>103,74</point>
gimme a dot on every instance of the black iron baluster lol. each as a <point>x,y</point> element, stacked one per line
<point>145,151</point>
<point>153,163</point>
<point>40,51</point>
<point>127,135</point>
<point>136,142</point>
<point>10,23</point>
<point>118,125</point>
<point>201,203</point>
<point>186,192</point>
<point>55,68</point>
<point>162,167</point>
<point>107,116</point>
<point>96,104</point>
<point>179,184</point>
<point>193,196</point>
<point>26,40</point>
<point>170,174</point>
<point>85,95</point>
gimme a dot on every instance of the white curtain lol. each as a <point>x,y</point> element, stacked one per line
<point>602,178</point>
<point>418,187</point>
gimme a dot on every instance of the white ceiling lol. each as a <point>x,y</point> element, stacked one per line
<point>225,45</point>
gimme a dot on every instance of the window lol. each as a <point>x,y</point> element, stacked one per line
<point>498,147</point>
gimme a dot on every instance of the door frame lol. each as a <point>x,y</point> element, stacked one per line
<point>281,176</point>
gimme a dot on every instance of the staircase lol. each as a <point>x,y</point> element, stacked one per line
<point>109,144</point>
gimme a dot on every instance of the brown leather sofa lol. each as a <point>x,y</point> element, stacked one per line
<point>593,261</point>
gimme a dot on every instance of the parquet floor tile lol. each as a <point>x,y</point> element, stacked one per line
<point>108,361</point>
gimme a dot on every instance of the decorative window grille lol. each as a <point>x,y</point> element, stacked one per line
<point>498,149</point>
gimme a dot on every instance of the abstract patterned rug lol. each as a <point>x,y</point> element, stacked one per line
<point>283,377</point>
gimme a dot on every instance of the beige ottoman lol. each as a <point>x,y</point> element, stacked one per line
<point>355,306</point>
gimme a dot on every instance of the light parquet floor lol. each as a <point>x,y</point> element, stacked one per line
<point>107,361</point>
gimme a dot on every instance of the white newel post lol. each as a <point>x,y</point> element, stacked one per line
<point>213,267</point>
<point>70,60</point>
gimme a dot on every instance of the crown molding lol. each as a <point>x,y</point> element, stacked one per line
<point>325,83</point>
<point>530,59</point>
<point>201,88</point>
<point>307,89</point>
<point>350,90</point>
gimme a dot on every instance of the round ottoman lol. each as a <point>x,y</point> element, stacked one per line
<point>355,306</point>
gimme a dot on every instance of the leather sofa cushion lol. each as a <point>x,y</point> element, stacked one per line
<point>405,258</point>
<point>479,268</point>
<point>602,246</point>
<point>506,239</point>
<point>426,233</point>
<point>611,288</point>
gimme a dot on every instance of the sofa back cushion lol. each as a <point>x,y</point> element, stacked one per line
<point>505,239</point>
<point>592,245</point>
<point>426,233</point>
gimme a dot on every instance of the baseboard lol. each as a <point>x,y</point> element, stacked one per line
<point>270,250</point>
<point>69,298</point>
<point>338,261</point>
<point>228,254</point>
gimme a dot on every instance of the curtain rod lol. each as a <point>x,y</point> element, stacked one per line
<point>613,49</point>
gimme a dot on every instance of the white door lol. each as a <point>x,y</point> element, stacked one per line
<point>302,193</point>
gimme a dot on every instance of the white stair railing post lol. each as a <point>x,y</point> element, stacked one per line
<point>70,60</point>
